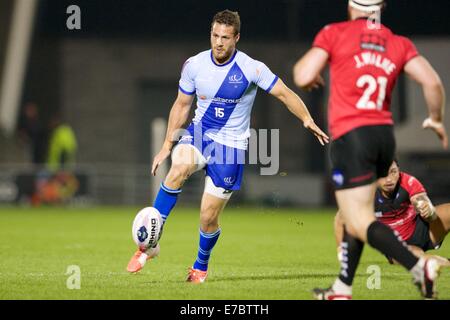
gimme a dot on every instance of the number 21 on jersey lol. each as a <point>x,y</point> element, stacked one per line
<point>372,84</point>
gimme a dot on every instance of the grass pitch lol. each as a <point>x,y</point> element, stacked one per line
<point>261,254</point>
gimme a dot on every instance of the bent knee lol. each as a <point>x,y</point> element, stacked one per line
<point>178,174</point>
<point>358,229</point>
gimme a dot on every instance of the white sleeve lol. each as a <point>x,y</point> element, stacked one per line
<point>187,84</point>
<point>264,78</point>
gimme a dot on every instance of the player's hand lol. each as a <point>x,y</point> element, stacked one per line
<point>426,210</point>
<point>316,84</point>
<point>438,128</point>
<point>315,130</point>
<point>159,158</point>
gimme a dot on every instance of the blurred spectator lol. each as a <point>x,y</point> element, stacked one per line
<point>62,145</point>
<point>32,131</point>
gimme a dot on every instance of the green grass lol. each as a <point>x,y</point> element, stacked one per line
<point>262,254</point>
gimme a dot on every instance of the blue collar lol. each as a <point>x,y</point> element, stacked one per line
<point>226,63</point>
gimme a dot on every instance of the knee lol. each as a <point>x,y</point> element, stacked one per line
<point>209,219</point>
<point>358,229</point>
<point>178,174</point>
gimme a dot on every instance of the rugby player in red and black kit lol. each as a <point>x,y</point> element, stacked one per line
<point>365,60</point>
<point>402,203</point>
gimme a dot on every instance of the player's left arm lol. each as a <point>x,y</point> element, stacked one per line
<point>293,102</point>
<point>424,206</point>
<point>421,71</point>
<point>307,70</point>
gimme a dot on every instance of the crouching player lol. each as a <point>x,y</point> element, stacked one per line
<point>402,203</point>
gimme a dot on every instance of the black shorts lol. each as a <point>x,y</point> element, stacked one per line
<point>362,155</point>
<point>421,236</point>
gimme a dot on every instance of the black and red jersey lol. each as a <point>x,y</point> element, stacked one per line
<point>398,212</point>
<point>365,61</point>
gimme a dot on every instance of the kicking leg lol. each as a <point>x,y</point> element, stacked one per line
<point>185,161</point>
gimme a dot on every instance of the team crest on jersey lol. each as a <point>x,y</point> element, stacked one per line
<point>235,78</point>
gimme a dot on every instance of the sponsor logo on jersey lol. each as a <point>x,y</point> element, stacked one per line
<point>226,100</point>
<point>373,42</point>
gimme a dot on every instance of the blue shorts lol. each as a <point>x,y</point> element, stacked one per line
<point>224,164</point>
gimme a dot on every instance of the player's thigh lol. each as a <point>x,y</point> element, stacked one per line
<point>186,159</point>
<point>361,156</point>
<point>440,227</point>
<point>358,159</point>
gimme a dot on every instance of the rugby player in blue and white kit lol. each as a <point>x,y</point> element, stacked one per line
<point>225,82</point>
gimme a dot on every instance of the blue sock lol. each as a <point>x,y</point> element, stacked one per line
<point>207,242</point>
<point>166,200</point>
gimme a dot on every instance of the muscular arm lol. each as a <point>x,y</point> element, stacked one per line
<point>307,70</point>
<point>178,117</point>
<point>420,70</point>
<point>424,206</point>
<point>293,102</point>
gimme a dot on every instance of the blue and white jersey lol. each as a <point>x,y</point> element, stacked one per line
<point>225,94</point>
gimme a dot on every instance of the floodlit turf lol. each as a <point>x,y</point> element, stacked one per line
<point>261,254</point>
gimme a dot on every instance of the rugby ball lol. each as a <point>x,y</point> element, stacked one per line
<point>147,227</point>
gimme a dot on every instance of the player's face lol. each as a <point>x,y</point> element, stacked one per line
<point>223,41</point>
<point>388,184</point>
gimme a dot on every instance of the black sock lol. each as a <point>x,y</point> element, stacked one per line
<point>382,238</point>
<point>351,252</point>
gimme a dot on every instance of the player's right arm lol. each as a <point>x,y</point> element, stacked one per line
<point>420,70</point>
<point>177,118</point>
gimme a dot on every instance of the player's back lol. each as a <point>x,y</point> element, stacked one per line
<point>365,61</point>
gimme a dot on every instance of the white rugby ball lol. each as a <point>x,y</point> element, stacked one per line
<point>147,228</point>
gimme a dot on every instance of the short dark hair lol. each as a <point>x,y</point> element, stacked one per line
<point>229,18</point>
<point>396,161</point>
